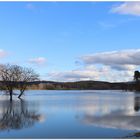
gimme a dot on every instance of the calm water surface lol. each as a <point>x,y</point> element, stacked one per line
<point>71,114</point>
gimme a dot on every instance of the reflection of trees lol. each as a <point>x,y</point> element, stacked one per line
<point>135,135</point>
<point>136,108</point>
<point>137,103</point>
<point>17,115</point>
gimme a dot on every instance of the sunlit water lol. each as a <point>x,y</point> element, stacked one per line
<point>70,114</point>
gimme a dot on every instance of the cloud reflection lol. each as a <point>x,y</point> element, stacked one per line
<point>121,118</point>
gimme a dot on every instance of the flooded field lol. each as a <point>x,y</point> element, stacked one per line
<point>71,114</point>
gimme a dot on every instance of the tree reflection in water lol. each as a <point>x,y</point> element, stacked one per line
<point>137,104</point>
<point>136,108</point>
<point>17,115</point>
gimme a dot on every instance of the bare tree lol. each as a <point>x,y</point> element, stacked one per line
<point>9,75</point>
<point>27,75</point>
<point>16,77</point>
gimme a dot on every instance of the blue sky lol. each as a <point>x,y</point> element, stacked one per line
<point>70,41</point>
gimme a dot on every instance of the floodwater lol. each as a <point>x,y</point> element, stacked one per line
<point>71,114</point>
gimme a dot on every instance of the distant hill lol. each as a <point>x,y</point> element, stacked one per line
<point>81,85</point>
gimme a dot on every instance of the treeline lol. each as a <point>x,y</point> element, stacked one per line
<point>88,85</point>
<point>81,85</point>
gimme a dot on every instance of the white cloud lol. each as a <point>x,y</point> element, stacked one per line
<point>119,60</point>
<point>104,73</point>
<point>2,53</point>
<point>86,73</point>
<point>112,66</point>
<point>38,61</point>
<point>128,8</point>
<point>124,67</point>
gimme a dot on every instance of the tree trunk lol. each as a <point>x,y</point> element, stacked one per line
<point>11,93</point>
<point>21,92</point>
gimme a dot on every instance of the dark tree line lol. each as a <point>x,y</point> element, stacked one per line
<point>16,77</point>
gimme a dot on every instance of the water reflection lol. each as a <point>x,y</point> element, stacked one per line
<point>127,118</point>
<point>17,115</point>
<point>137,104</point>
<point>71,115</point>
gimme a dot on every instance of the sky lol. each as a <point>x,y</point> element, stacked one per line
<point>72,41</point>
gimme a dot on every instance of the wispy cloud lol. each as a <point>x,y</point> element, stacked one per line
<point>37,61</point>
<point>31,7</point>
<point>3,53</point>
<point>127,8</point>
<point>107,25</point>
